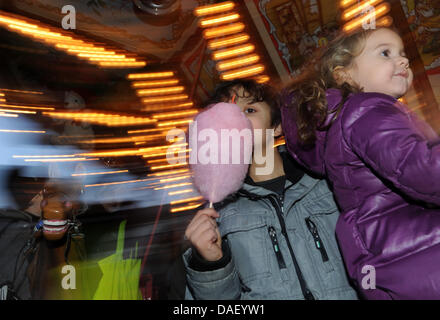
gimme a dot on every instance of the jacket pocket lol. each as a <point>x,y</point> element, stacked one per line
<point>319,244</point>
<point>336,275</point>
<point>276,247</point>
<point>320,222</point>
<point>248,240</point>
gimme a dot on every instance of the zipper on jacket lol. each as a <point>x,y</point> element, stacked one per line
<point>276,247</point>
<point>278,205</point>
<point>317,239</point>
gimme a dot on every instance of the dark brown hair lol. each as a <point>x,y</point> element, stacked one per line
<point>257,92</point>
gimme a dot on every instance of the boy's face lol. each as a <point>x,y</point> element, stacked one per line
<point>259,115</point>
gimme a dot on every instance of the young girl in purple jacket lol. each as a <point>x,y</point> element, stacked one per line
<point>343,120</point>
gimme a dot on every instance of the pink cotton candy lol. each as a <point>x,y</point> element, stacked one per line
<point>220,164</point>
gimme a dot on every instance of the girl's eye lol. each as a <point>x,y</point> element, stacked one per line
<point>385,53</point>
<point>249,110</point>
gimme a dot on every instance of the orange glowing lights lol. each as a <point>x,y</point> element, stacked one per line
<point>355,10</point>
<point>168,166</point>
<point>47,156</point>
<point>243,72</point>
<point>173,193</point>
<point>262,79</point>
<point>8,115</point>
<point>150,75</point>
<point>231,40</point>
<point>160,91</point>
<point>165,99</point>
<point>175,123</point>
<point>60,160</point>
<point>17,22</point>
<point>100,118</point>
<point>357,19</point>
<point>168,115</point>
<point>21,131</point>
<point>384,22</point>
<point>97,173</point>
<point>168,173</point>
<point>235,63</point>
<point>73,48</point>
<point>163,107</point>
<point>228,41</point>
<point>20,91</point>
<point>187,200</point>
<point>122,64</point>
<point>234,51</point>
<point>18,111</point>
<point>70,43</point>
<point>346,3</point>
<point>25,107</point>
<point>185,208</point>
<point>219,20</point>
<point>222,31</point>
<point>142,84</point>
<point>177,185</point>
<point>168,159</point>
<point>214,8</point>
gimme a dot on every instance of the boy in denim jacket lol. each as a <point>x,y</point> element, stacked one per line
<point>273,239</point>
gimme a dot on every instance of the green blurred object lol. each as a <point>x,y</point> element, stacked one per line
<point>111,278</point>
<point>120,277</point>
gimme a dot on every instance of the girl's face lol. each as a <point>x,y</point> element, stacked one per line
<point>382,66</point>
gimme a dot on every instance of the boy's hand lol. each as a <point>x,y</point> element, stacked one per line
<point>204,235</point>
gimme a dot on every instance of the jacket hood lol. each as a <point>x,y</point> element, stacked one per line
<point>311,157</point>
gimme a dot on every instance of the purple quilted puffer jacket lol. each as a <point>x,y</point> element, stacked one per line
<point>384,166</point>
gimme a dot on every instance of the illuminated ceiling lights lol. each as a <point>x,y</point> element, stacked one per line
<point>357,13</point>
<point>70,43</point>
<point>101,118</point>
<point>165,99</point>
<point>232,51</point>
<point>160,91</point>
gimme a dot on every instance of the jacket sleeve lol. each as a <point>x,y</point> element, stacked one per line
<point>219,284</point>
<point>312,158</point>
<point>396,146</point>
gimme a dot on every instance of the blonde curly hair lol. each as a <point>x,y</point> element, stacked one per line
<point>307,92</point>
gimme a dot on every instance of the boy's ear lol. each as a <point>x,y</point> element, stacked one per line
<point>278,131</point>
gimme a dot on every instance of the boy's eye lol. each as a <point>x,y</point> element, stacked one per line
<point>249,110</point>
<point>385,53</point>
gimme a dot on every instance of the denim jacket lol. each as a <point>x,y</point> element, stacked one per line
<point>263,256</point>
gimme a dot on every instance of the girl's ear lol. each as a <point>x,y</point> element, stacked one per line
<point>278,131</point>
<point>341,75</point>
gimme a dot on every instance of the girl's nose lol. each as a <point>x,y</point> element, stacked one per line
<point>404,62</point>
